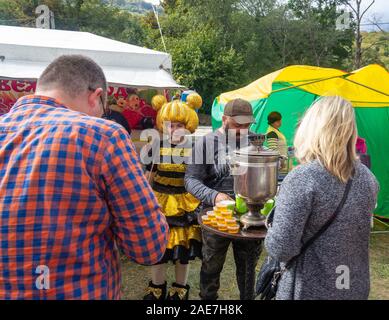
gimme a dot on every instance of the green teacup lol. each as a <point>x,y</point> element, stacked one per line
<point>267,207</point>
<point>241,207</point>
<point>229,203</point>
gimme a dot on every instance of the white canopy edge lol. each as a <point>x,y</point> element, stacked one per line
<point>26,52</point>
<point>127,77</point>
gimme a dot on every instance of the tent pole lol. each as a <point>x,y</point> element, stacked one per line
<point>382,223</point>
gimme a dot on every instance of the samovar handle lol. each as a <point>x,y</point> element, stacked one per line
<point>281,161</point>
<point>234,166</point>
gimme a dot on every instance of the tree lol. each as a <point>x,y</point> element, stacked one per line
<point>77,15</point>
<point>221,45</point>
<point>324,44</point>
<point>359,13</point>
<point>216,46</point>
<point>375,48</point>
<point>258,8</point>
<point>15,13</point>
<point>201,60</point>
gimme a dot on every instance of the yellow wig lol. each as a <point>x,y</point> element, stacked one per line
<point>177,111</point>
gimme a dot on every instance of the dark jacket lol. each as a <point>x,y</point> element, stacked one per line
<point>118,118</point>
<point>209,171</point>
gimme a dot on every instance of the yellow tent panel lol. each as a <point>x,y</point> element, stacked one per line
<point>366,87</point>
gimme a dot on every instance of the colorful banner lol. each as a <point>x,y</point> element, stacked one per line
<point>135,104</point>
<point>12,90</point>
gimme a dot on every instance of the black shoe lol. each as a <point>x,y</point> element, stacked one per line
<point>157,293</point>
<point>178,292</point>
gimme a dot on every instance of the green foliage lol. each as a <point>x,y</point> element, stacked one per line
<point>78,15</point>
<point>110,22</point>
<point>18,12</point>
<point>322,44</point>
<point>202,60</point>
<point>376,48</point>
<point>202,64</point>
<point>216,45</point>
<point>228,43</point>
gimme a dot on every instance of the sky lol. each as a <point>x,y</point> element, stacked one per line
<point>154,2</point>
<point>381,7</point>
<point>380,10</point>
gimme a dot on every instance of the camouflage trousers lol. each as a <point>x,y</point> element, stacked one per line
<point>246,255</point>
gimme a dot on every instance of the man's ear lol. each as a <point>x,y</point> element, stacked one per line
<point>94,98</point>
<point>224,120</point>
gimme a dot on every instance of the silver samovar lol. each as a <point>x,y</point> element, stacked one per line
<point>255,170</point>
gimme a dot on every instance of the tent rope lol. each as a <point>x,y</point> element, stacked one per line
<point>159,26</point>
<point>306,83</point>
<point>367,87</point>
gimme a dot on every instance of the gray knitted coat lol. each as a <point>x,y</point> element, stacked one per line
<point>308,197</point>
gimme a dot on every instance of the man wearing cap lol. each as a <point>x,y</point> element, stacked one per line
<point>208,178</point>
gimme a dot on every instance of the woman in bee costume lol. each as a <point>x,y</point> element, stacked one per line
<point>167,172</point>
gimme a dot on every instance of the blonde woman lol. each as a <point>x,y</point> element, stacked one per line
<point>336,265</point>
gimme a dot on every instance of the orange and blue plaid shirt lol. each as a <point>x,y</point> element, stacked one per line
<point>72,191</point>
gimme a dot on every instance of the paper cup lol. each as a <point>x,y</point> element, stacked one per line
<point>231,222</point>
<point>233,229</point>
<point>222,227</point>
<point>227,204</point>
<point>206,220</point>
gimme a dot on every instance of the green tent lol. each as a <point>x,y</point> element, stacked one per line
<point>292,90</point>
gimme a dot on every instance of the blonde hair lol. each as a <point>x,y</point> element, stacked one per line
<point>328,133</point>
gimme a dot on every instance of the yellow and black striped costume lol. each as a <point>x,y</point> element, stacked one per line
<point>179,206</point>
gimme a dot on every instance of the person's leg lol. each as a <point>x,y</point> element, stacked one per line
<point>158,274</point>
<point>214,255</point>
<point>182,271</point>
<point>157,286</point>
<point>180,289</point>
<point>246,255</point>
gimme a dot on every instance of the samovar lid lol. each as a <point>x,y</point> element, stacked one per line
<point>257,152</point>
<point>256,148</point>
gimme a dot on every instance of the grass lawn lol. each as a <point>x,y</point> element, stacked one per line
<point>135,278</point>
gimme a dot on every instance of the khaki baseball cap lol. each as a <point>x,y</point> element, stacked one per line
<point>240,110</point>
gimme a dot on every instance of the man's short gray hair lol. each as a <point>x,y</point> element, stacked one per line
<point>73,74</point>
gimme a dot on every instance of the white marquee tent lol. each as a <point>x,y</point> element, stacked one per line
<point>25,52</point>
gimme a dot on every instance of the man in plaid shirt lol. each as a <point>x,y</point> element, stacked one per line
<point>72,191</point>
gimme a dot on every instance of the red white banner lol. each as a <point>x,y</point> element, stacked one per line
<point>134,103</point>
